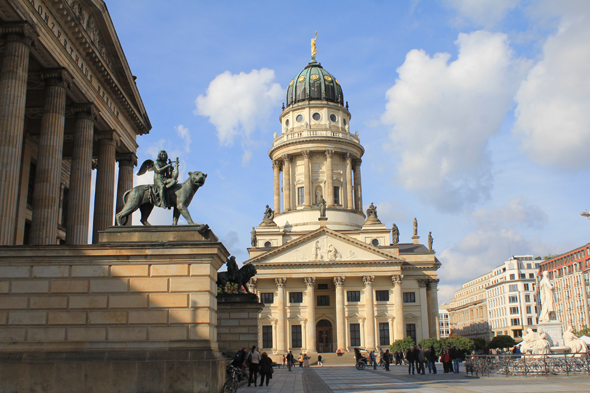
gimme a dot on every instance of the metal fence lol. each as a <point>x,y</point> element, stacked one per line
<point>525,365</point>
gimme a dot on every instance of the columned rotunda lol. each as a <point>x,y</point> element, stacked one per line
<point>343,280</point>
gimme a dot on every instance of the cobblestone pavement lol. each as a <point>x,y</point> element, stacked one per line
<point>344,379</point>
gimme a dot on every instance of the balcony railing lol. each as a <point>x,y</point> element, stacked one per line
<point>314,133</point>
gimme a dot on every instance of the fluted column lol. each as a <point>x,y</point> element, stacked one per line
<point>423,283</point>
<point>433,326</point>
<point>349,200</point>
<point>358,193</point>
<point>340,322</point>
<point>49,158</point>
<point>311,338</point>
<point>307,178</point>
<point>125,183</point>
<point>329,178</point>
<point>281,323</point>
<point>13,93</point>
<point>398,312</point>
<point>78,214</point>
<point>369,313</point>
<point>276,167</point>
<point>104,194</point>
<point>286,182</point>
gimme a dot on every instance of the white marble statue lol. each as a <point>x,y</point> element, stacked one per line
<point>542,345</point>
<point>571,340</point>
<point>528,341</point>
<point>317,251</point>
<point>547,298</point>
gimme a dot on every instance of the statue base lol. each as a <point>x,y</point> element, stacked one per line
<point>416,239</point>
<point>323,221</point>
<point>157,234</point>
<point>554,332</point>
<point>237,321</point>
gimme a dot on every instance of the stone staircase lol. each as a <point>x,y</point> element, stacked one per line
<point>332,359</point>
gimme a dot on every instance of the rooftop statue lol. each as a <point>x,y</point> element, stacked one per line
<point>415,227</point>
<point>166,192</point>
<point>253,237</point>
<point>430,240</point>
<point>269,216</point>
<point>314,50</point>
<point>241,277</point>
<point>372,211</point>
<point>395,234</point>
<point>322,205</point>
<point>546,297</point>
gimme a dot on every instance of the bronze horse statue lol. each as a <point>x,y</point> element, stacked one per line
<point>241,278</point>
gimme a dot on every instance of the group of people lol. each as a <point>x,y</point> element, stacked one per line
<point>253,363</point>
<point>416,358</point>
<point>303,360</point>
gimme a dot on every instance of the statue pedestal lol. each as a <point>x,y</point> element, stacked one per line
<point>416,239</point>
<point>237,322</point>
<point>554,332</point>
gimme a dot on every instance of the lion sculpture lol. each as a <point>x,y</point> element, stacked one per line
<point>242,277</point>
<point>179,196</point>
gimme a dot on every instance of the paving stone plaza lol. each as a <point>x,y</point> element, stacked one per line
<point>344,379</point>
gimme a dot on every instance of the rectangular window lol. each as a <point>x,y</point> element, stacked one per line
<point>513,310</point>
<point>27,232</point>
<point>384,334</point>
<point>267,298</point>
<point>526,287</point>
<point>322,286</point>
<point>382,296</point>
<point>512,299</point>
<point>409,297</point>
<point>527,298</point>
<point>531,275</point>
<point>515,321</point>
<point>528,266</point>
<point>512,276</point>
<point>267,336</point>
<point>529,321</point>
<point>522,275</point>
<point>411,330</point>
<point>528,309</point>
<point>323,300</point>
<point>353,296</point>
<point>296,336</point>
<point>295,297</point>
<point>300,195</point>
<point>355,335</point>
<point>337,195</point>
<point>513,288</point>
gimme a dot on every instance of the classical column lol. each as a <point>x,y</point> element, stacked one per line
<point>369,313</point>
<point>307,178</point>
<point>423,283</point>
<point>399,328</point>
<point>276,167</point>
<point>340,321</point>
<point>286,182</point>
<point>281,323</point>
<point>329,178</point>
<point>358,193</point>
<point>49,158</point>
<point>18,38</point>
<point>104,194</point>
<point>311,339</point>
<point>125,183</point>
<point>78,214</point>
<point>349,200</point>
<point>434,330</point>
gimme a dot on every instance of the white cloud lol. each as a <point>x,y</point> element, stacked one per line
<point>483,12</point>
<point>185,135</point>
<point>553,115</point>
<point>237,104</point>
<point>443,114</point>
<point>496,237</point>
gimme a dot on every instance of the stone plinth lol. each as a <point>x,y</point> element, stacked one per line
<point>237,322</point>
<point>554,332</point>
<point>114,316</point>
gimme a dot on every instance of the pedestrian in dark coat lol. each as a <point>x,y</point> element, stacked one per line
<point>411,360</point>
<point>386,359</point>
<point>432,359</point>
<point>265,367</point>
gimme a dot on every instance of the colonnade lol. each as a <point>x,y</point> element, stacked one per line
<point>352,191</point>
<point>18,39</point>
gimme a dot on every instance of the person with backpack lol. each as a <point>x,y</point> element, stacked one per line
<point>290,360</point>
<point>239,360</point>
<point>254,360</point>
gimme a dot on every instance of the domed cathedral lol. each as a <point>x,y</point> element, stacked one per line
<point>331,277</point>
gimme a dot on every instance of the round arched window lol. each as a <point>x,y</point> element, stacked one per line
<point>287,122</point>
<point>333,117</point>
<point>267,244</point>
<point>375,242</point>
<point>316,116</point>
<point>344,121</point>
<point>299,118</point>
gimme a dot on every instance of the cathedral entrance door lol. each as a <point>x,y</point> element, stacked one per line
<point>324,336</point>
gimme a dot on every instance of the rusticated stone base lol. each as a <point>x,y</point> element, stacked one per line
<point>112,371</point>
<point>237,322</point>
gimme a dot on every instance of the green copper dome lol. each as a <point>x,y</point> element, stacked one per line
<point>314,84</point>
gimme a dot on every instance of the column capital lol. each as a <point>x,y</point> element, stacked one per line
<point>87,111</point>
<point>306,153</point>
<point>347,157</point>
<point>19,32</point>
<point>396,279</point>
<point>368,280</point>
<point>433,283</point>
<point>309,281</point>
<point>107,137</point>
<point>59,77</point>
<point>127,159</point>
<point>339,281</point>
<point>280,281</point>
<point>358,161</point>
<point>286,158</point>
<point>329,153</point>
<point>423,282</point>
<point>276,163</point>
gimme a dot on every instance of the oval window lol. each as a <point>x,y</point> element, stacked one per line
<point>333,117</point>
<point>299,118</point>
<point>374,242</point>
<point>315,77</point>
<point>301,78</point>
<point>328,78</point>
<point>267,244</point>
<point>287,122</point>
<point>316,116</point>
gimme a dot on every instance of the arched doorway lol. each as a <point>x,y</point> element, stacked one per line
<point>324,336</point>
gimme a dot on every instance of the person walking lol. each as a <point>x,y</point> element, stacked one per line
<point>254,358</point>
<point>320,361</point>
<point>386,358</point>
<point>290,360</point>
<point>306,360</point>
<point>284,359</point>
<point>410,359</point>
<point>373,359</point>
<point>419,354</point>
<point>300,360</point>
<point>265,369</point>
<point>432,359</point>
<point>457,357</point>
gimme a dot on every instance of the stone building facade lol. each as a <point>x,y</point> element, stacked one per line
<point>339,281</point>
<point>570,276</point>
<point>68,103</point>
<point>468,315</point>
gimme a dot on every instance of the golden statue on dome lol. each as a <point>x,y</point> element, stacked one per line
<point>314,50</point>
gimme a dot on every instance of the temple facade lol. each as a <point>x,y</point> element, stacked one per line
<point>330,276</point>
<point>68,104</point>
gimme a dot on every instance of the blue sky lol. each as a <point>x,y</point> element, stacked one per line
<point>474,114</point>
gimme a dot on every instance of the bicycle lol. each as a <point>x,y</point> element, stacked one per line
<point>232,380</point>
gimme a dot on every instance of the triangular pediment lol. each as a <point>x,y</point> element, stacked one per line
<point>323,246</point>
<point>411,317</point>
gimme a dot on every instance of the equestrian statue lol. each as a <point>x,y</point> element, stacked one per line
<point>238,276</point>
